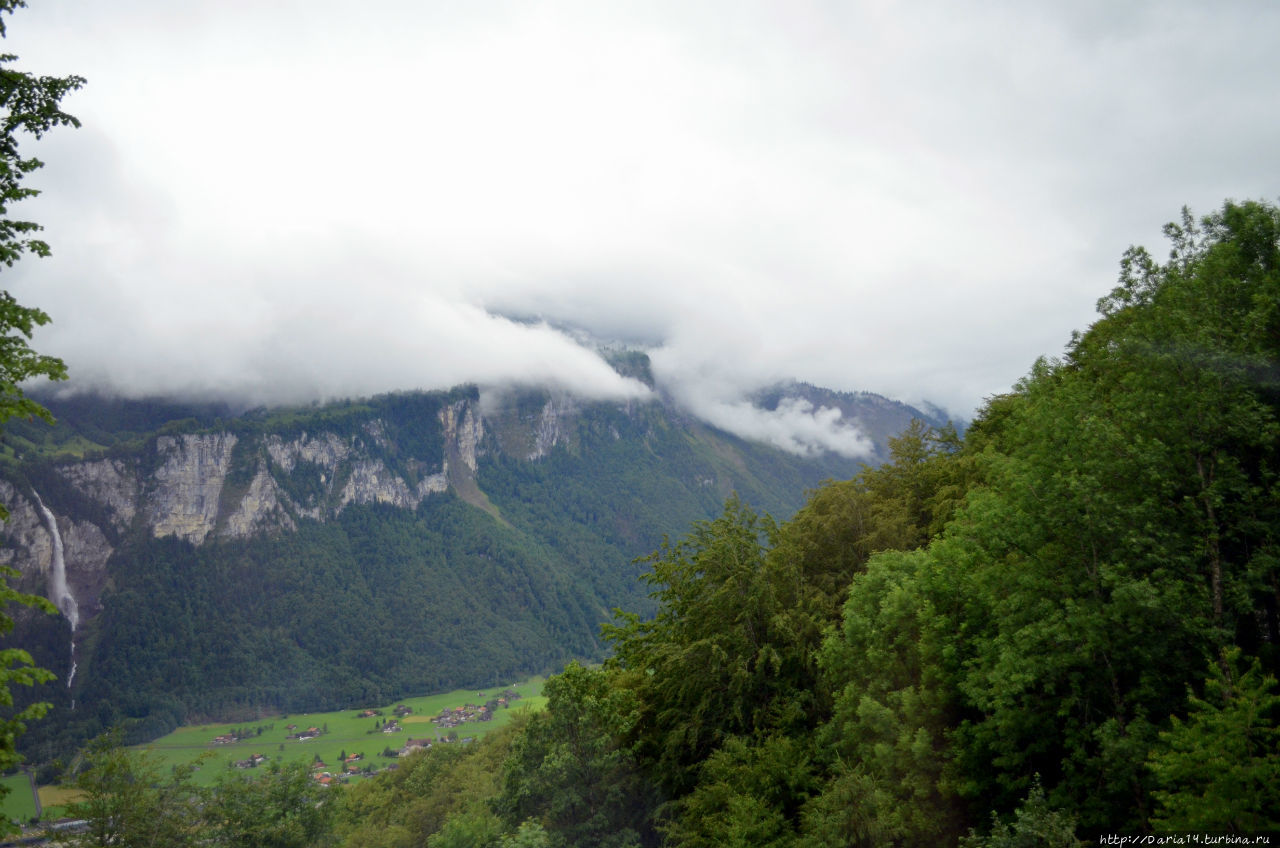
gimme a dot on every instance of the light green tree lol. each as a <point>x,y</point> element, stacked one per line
<point>1220,769</point>
<point>1035,825</point>
<point>530,834</point>
<point>128,800</point>
<point>277,807</point>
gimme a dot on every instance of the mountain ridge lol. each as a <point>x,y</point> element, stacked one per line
<point>325,509</point>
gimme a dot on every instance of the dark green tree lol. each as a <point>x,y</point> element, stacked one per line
<point>891,668</point>
<point>703,668</point>
<point>572,770</point>
<point>1114,520</point>
<point>748,795</point>
<point>1129,525</point>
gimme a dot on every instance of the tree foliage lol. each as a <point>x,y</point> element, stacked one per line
<point>703,667</point>
<point>127,800</point>
<point>277,807</point>
<point>1035,825</point>
<point>439,796</point>
<point>996,626</point>
<point>1129,523</point>
<point>1219,769</point>
<point>30,106</point>
<point>572,770</point>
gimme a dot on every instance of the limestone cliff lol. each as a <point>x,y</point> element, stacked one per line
<point>111,482</point>
<point>185,491</point>
<point>550,430</point>
<point>529,424</point>
<point>211,485</point>
<point>262,508</point>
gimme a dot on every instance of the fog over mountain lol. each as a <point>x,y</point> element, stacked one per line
<point>283,201</point>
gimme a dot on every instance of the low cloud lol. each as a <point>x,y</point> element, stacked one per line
<point>794,426</point>
<point>913,202</point>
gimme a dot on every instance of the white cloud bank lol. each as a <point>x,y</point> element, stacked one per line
<point>282,200</point>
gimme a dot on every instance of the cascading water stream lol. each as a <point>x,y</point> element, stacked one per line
<point>58,590</point>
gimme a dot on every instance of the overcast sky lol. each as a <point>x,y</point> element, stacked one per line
<point>296,199</point>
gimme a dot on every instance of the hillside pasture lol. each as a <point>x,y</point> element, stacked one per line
<point>342,732</point>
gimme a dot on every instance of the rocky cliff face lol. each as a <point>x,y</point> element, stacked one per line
<point>111,482</point>
<point>221,485</point>
<point>185,491</point>
<point>530,425</point>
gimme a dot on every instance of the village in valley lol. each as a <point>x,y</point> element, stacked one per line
<point>446,724</point>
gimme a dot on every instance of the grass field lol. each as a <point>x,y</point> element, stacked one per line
<point>343,732</point>
<point>18,803</point>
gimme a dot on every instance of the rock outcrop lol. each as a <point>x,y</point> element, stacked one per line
<point>550,431</point>
<point>370,481</point>
<point>261,508</point>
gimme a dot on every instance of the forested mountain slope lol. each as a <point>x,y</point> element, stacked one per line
<point>216,564</point>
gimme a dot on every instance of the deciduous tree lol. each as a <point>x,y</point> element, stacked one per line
<point>128,800</point>
<point>30,106</point>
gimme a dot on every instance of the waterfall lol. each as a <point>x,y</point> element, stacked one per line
<point>59,591</point>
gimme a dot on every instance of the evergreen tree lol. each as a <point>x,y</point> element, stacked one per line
<point>1219,770</point>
